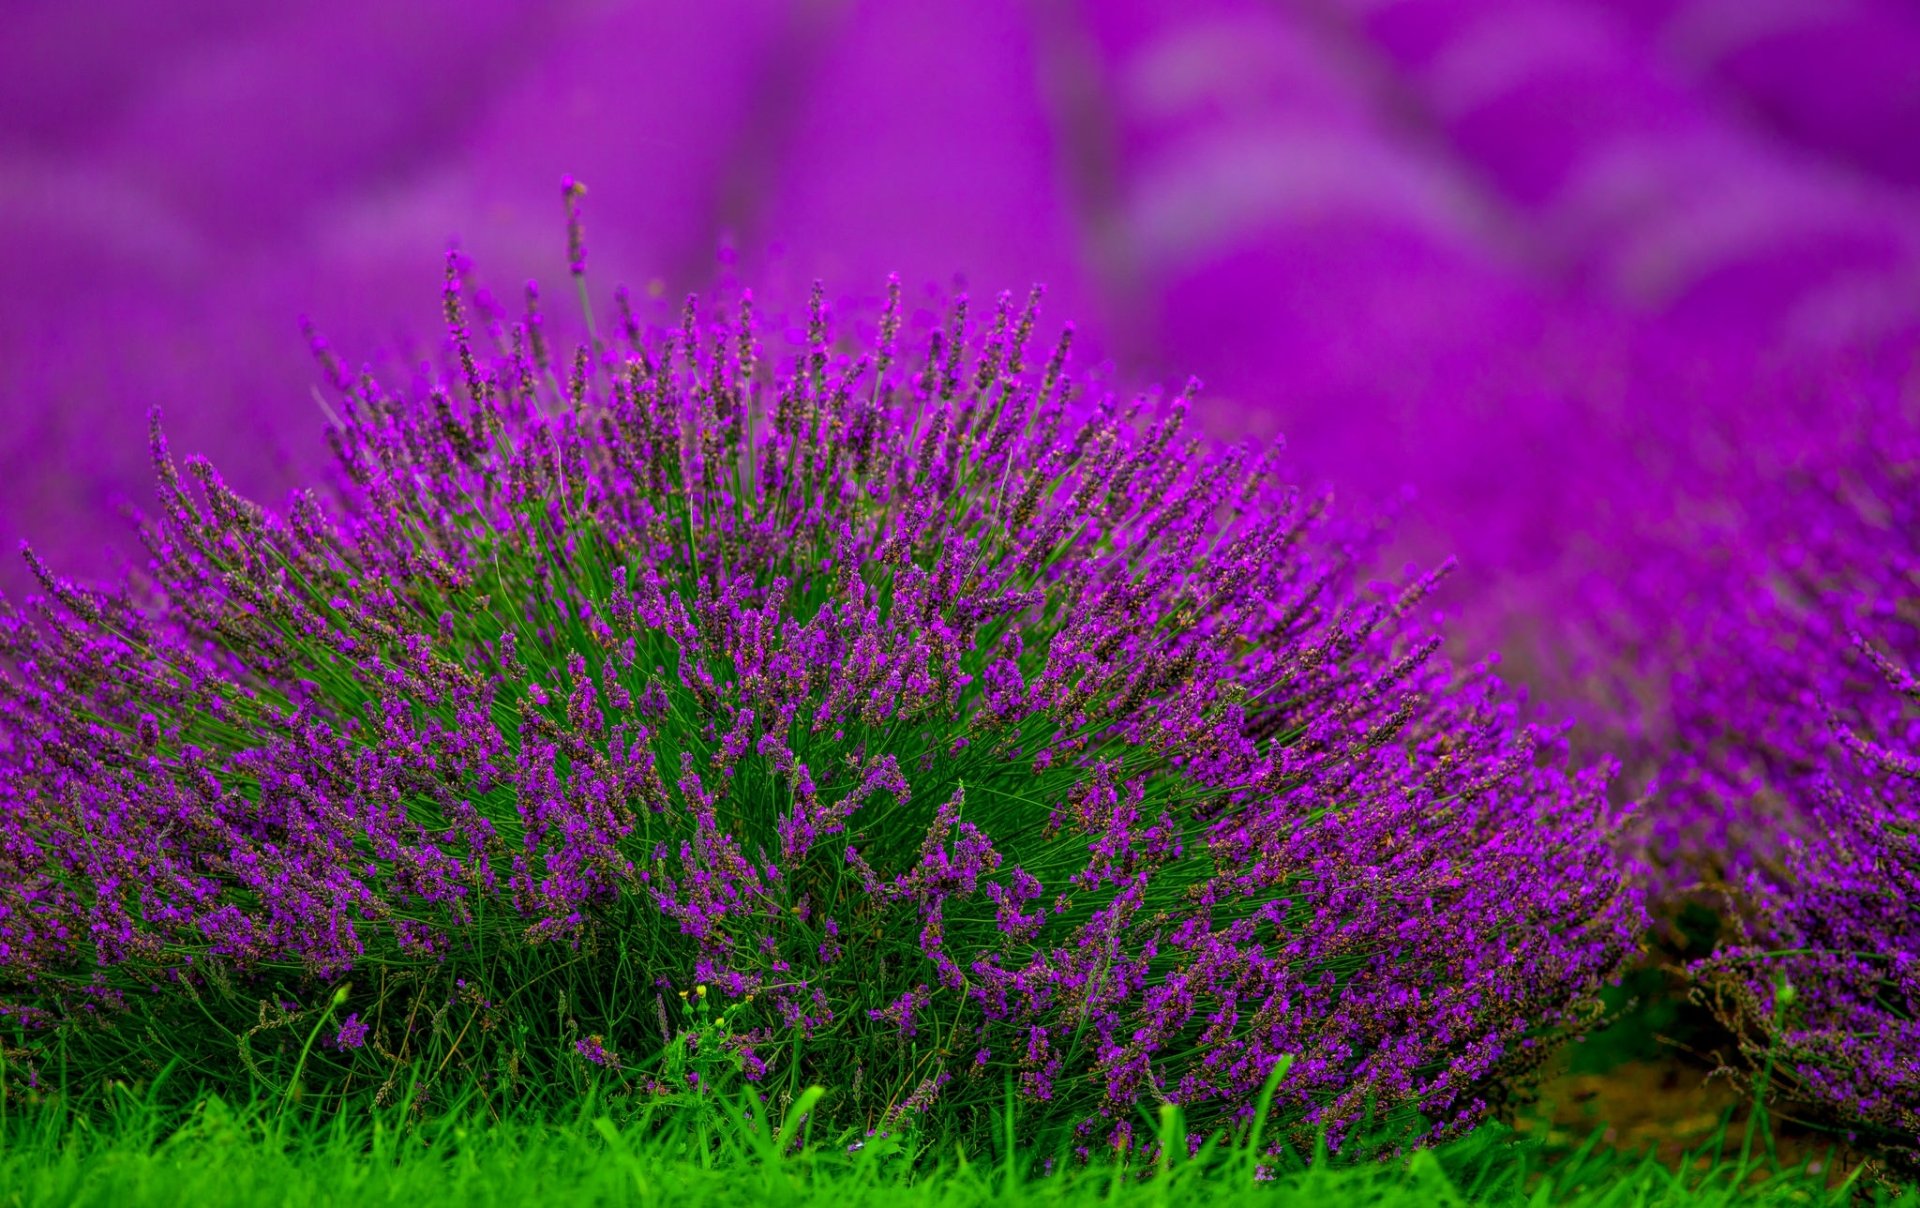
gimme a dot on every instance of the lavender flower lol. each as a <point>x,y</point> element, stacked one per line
<point>1814,688</point>
<point>915,698</point>
<point>352,1033</point>
<point>594,1049</point>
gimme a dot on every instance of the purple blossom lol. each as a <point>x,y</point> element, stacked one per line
<point>352,1033</point>
<point>583,630</point>
<point>1794,734</point>
<point>595,1050</point>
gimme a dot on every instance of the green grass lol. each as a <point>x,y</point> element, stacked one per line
<point>271,1153</point>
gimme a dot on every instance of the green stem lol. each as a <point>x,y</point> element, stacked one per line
<point>333,1004</point>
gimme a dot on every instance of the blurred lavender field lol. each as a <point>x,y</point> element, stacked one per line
<point>1552,263</point>
<point>1615,300</point>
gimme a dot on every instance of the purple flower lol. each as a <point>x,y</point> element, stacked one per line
<point>589,624</point>
<point>1795,733</point>
<point>595,1050</point>
<point>352,1033</point>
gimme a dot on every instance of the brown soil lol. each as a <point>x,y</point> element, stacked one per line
<point>1672,1108</point>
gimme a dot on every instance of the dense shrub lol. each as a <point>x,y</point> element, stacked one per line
<point>1806,710</point>
<point>925,717</point>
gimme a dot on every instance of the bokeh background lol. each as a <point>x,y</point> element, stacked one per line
<point>1551,264</point>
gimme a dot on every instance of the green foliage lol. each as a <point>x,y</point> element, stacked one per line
<point>723,1150</point>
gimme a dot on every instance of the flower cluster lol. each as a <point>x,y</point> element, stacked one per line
<point>955,722</point>
<point>1811,696</point>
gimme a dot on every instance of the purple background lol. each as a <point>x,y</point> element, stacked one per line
<point>1536,258</point>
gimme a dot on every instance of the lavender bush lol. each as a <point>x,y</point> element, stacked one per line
<point>1815,690</point>
<point>914,715</point>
